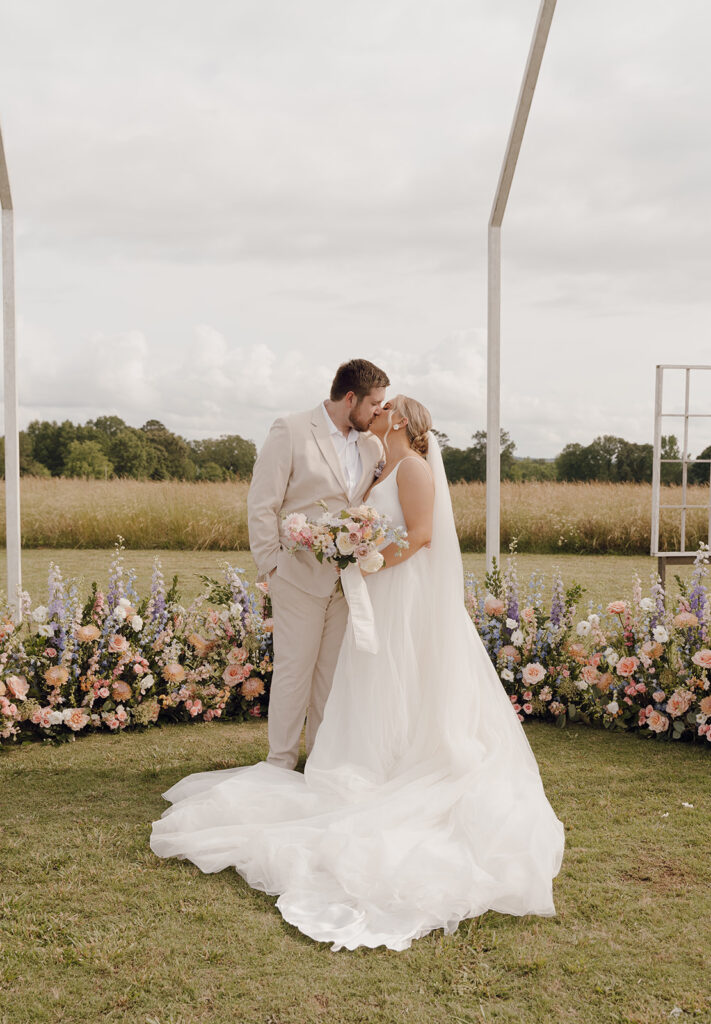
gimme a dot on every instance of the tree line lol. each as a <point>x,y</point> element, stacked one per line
<point>607,458</point>
<point>109,447</point>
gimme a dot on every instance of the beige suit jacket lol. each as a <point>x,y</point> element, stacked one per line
<point>297,467</point>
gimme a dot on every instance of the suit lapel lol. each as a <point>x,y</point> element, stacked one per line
<point>323,440</point>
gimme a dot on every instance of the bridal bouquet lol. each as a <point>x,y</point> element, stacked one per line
<point>349,537</point>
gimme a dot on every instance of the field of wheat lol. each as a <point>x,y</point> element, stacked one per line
<point>543,518</point>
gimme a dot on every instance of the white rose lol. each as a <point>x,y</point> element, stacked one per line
<point>646,604</point>
<point>56,717</point>
<point>124,602</point>
<point>613,707</point>
<point>147,682</point>
<point>46,630</point>
<point>40,613</point>
<point>120,612</point>
<point>581,684</point>
<point>344,544</point>
<point>594,620</point>
<point>507,675</point>
<point>372,561</point>
<point>583,628</point>
<point>511,624</point>
<point>612,657</point>
<point>517,638</point>
<point>660,634</point>
<point>137,623</point>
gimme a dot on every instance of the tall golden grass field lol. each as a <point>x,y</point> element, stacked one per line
<point>595,518</point>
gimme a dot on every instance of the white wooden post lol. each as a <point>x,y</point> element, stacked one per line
<point>656,459</point>
<point>12,445</point>
<point>493,358</point>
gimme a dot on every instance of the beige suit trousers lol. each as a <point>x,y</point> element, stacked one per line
<point>308,631</point>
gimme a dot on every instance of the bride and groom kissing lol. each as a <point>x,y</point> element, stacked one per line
<point>421,802</point>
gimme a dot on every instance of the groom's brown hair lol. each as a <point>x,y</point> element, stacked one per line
<point>358,376</point>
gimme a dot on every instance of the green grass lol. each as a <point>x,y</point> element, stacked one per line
<point>95,927</point>
<point>605,577</point>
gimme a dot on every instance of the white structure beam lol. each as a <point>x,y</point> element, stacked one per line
<point>493,362</point>
<point>12,447</point>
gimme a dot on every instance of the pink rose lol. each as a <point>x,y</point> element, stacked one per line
<point>627,666</point>
<point>255,711</point>
<point>617,607</point>
<point>76,719</point>
<point>679,703</point>
<point>658,696</point>
<point>702,658</point>
<point>233,675</point>
<point>17,687</point>
<point>528,708</point>
<point>590,674</point>
<point>118,644</point>
<point>533,673</point>
<point>658,722</point>
<point>527,695</point>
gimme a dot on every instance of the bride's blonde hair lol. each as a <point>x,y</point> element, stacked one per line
<point>418,419</point>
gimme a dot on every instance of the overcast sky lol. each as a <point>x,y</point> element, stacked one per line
<point>218,202</point>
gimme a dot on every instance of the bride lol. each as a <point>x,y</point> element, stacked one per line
<point>421,803</point>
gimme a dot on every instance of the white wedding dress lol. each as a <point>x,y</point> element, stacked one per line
<point>421,803</point>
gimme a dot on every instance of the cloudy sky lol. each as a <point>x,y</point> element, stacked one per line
<point>218,202</point>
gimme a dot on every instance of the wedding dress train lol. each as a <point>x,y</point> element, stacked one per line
<point>421,803</point>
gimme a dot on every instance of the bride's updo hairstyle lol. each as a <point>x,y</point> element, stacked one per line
<point>418,419</point>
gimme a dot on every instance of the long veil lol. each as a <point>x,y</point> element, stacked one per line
<point>474,713</point>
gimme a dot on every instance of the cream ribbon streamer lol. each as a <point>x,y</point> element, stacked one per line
<point>361,616</point>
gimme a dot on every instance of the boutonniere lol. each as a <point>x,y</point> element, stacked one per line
<point>379,468</point>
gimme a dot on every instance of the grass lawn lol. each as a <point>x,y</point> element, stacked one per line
<point>95,927</point>
<point>605,577</point>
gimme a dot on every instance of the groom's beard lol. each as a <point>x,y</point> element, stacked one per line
<point>358,422</point>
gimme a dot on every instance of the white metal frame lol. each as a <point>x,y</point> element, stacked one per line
<point>12,445</point>
<point>681,556</point>
<point>493,356</point>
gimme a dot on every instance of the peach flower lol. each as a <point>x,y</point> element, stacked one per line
<point>627,666</point>
<point>509,651</point>
<point>121,690</point>
<point>252,687</point>
<point>493,605</point>
<point>679,703</point>
<point>17,687</point>
<point>57,675</point>
<point>85,634</point>
<point>685,620</point>
<point>702,658</point>
<point>533,673</point>
<point>590,674</point>
<point>652,649</point>
<point>605,681</point>
<point>173,672</point>
<point>237,655</point>
<point>705,705</point>
<point>118,644</point>
<point>76,719</point>
<point>617,607</point>
<point>200,645</point>
<point>658,722</point>
<point>233,675</point>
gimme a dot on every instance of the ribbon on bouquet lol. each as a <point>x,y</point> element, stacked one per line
<point>361,617</point>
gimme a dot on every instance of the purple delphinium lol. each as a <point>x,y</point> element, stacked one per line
<point>558,602</point>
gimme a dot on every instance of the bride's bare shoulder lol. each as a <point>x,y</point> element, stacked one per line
<point>414,471</point>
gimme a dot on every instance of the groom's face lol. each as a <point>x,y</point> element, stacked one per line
<point>364,411</point>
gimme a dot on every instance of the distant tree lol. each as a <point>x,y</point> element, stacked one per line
<point>470,463</point>
<point>87,459</point>
<point>699,471</point>
<point>230,452</point>
<point>173,459</point>
<point>50,443</point>
<point>131,453</point>
<point>532,469</point>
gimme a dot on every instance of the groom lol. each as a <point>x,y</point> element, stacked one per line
<point>325,455</point>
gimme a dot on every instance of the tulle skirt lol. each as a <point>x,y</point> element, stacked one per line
<point>421,803</point>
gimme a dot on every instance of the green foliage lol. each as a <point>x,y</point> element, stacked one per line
<point>86,459</point>
<point>494,579</point>
<point>469,464</point>
<point>699,471</point>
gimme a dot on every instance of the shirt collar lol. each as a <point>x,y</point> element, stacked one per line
<point>352,436</point>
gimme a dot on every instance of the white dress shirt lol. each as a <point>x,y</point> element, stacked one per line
<point>347,452</point>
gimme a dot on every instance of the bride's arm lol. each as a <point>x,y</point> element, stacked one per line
<point>416,492</point>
